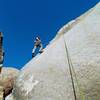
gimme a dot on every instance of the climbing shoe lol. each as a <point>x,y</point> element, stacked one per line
<point>33,55</point>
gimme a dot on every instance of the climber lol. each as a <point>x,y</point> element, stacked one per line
<point>37,43</point>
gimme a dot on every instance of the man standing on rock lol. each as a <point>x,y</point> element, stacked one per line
<point>37,44</point>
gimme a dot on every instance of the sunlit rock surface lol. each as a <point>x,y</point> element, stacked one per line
<point>47,76</point>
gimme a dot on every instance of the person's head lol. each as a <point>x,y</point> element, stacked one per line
<point>37,38</point>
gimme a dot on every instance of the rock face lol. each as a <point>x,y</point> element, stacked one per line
<point>7,78</point>
<point>47,77</point>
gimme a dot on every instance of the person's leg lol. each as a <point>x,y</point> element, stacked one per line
<point>33,51</point>
<point>41,48</point>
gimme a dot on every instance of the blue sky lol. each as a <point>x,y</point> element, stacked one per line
<point>22,20</point>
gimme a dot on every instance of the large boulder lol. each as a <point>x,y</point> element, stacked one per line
<point>7,78</point>
<point>47,76</point>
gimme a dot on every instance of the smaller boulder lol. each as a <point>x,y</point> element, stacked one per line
<point>7,77</point>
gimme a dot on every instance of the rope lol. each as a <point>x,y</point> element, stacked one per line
<point>72,73</point>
